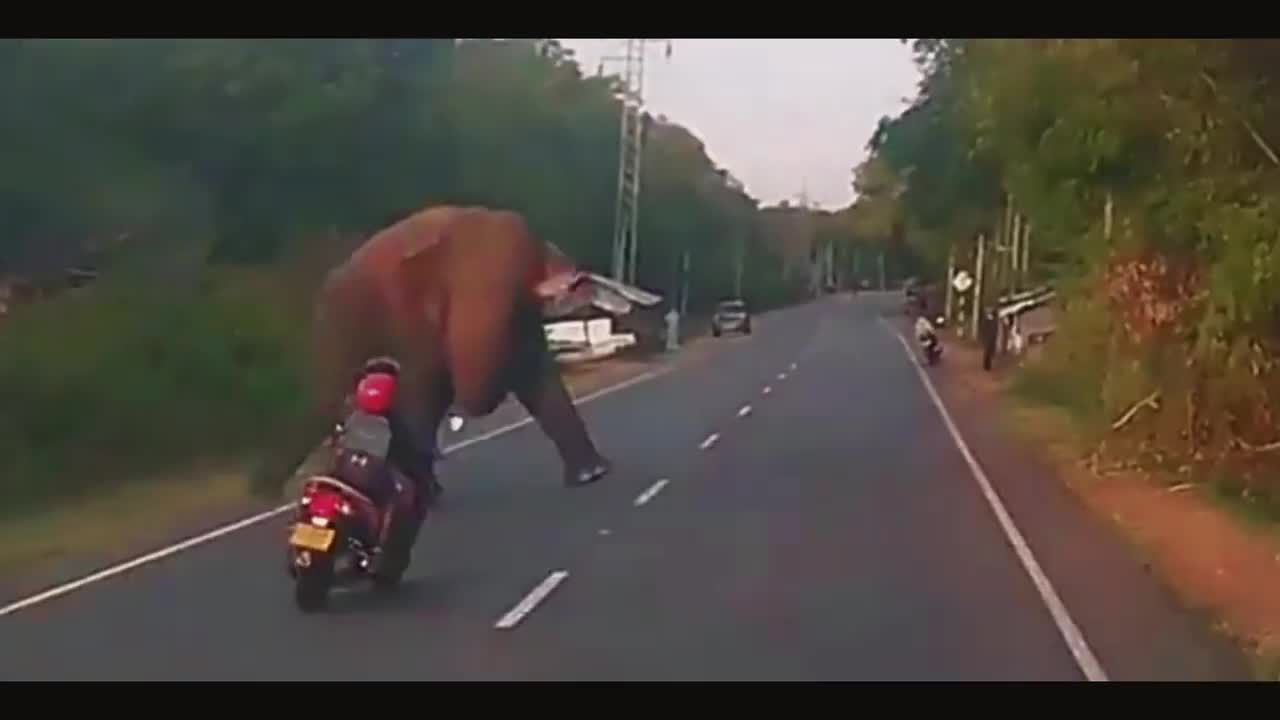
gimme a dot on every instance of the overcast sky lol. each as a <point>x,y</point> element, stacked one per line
<point>781,114</point>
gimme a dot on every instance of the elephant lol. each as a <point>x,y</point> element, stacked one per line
<point>457,295</point>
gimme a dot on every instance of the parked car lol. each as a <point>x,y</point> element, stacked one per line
<point>731,316</point>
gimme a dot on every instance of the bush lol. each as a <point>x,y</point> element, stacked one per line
<point>1072,368</point>
<point>115,383</point>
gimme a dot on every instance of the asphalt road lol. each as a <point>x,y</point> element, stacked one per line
<point>828,527</point>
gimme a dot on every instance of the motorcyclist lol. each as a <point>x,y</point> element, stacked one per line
<point>407,454</point>
<point>924,329</point>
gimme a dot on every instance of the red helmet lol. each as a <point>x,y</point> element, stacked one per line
<point>375,392</point>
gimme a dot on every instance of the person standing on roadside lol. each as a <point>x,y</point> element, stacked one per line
<point>987,332</point>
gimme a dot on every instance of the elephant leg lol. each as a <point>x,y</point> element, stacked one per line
<point>423,395</point>
<point>540,389</point>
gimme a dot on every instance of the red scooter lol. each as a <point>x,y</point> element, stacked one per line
<point>345,517</point>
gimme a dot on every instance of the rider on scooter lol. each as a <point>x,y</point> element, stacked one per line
<point>924,329</point>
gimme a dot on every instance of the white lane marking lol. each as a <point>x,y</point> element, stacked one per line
<point>143,560</point>
<point>165,552</point>
<point>531,601</point>
<point>654,489</point>
<point>711,440</point>
<point>793,367</point>
<point>528,419</point>
<point>782,376</point>
<point>605,531</point>
<point>767,389</point>
<point>1071,633</point>
<point>745,411</point>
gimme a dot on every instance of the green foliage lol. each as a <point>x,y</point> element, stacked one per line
<point>116,381</point>
<point>1148,172</point>
<point>160,162</point>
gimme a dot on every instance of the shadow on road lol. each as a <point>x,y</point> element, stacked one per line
<point>416,595</point>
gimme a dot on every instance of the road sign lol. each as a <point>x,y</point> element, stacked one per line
<point>962,281</point>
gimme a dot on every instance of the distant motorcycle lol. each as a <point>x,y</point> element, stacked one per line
<point>932,349</point>
<point>345,516</point>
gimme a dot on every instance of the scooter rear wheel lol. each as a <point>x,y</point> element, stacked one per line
<point>311,585</point>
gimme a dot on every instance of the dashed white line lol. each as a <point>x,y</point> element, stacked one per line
<point>745,411</point>
<point>654,489</point>
<point>531,601</point>
<point>793,367</point>
<point>112,571</point>
<point>782,376</point>
<point>1071,634</point>
<point>768,389</point>
<point>711,440</point>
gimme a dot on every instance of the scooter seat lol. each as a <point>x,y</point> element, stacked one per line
<point>342,487</point>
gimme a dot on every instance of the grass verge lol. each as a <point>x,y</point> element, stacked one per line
<point>118,520</point>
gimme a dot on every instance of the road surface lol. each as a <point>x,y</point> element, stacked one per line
<point>790,505</point>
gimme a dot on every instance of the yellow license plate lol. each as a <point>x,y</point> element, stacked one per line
<point>311,537</point>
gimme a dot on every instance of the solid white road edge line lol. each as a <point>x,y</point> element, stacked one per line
<point>165,552</point>
<point>654,489</point>
<point>745,411</point>
<point>1071,633</point>
<point>143,560</point>
<point>531,601</point>
<point>711,440</point>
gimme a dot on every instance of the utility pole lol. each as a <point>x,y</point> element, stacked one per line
<point>739,262</point>
<point>1015,259</point>
<point>977,285</point>
<point>817,255</point>
<point>684,293</point>
<point>833,273</point>
<point>1026,254</point>
<point>626,217</point>
<point>951,274</point>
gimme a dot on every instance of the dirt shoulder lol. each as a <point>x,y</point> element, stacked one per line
<point>1213,558</point>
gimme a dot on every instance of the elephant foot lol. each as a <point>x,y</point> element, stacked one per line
<point>587,474</point>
